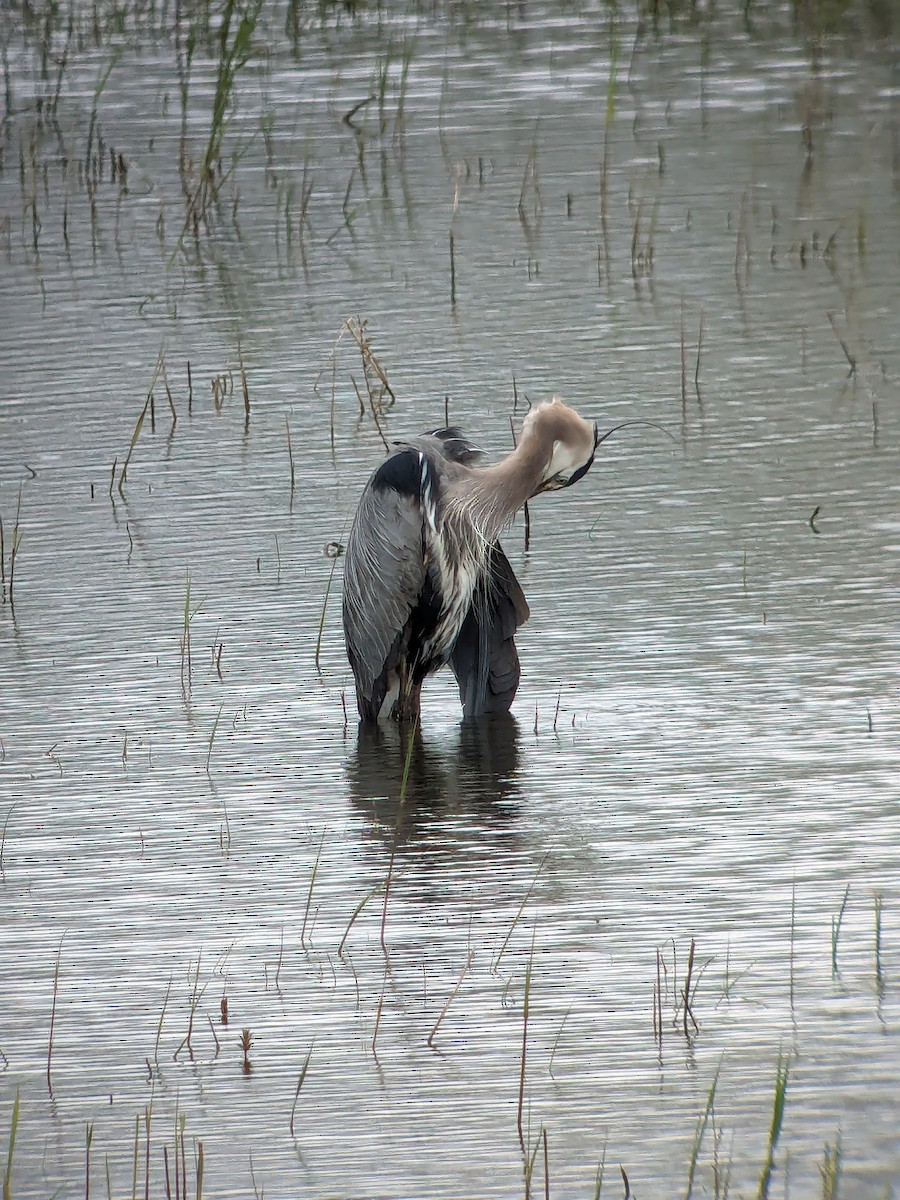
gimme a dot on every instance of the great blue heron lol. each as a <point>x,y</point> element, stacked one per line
<point>425,579</point>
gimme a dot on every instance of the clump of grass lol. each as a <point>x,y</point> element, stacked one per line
<point>381,394</point>
<point>234,51</point>
<point>684,996</point>
<point>194,998</point>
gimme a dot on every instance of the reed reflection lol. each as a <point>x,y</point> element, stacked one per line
<point>406,784</point>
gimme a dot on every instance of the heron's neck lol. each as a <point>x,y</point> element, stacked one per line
<point>503,488</point>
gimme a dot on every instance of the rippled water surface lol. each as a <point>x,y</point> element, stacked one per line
<point>686,217</point>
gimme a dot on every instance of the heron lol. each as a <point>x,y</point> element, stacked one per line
<point>426,582</point>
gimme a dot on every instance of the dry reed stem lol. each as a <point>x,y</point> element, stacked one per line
<point>302,1077</point>
<point>450,999</point>
<point>245,390</point>
<point>525,1012</point>
<point>53,1014</point>
<point>312,883</point>
<point>365,900</point>
<point>496,962</point>
<point>848,354</point>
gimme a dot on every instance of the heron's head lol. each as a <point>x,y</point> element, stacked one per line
<point>566,438</point>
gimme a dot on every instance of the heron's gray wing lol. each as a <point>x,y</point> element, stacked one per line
<point>484,658</point>
<point>384,576</point>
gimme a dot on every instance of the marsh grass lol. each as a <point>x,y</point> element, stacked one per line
<point>450,999</point>
<point>879,971</point>
<point>139,424</point>
<point>702,1122</point>
<point>830,1169</point>
<point>245,388</point>
<point>93,167</point>
<point>212,737</point>
<point>300,1082</point>
<point>195,995</point>
<point>290,450</point>
<point>234,50</point>
<point>11,1149</point>
<point>379,391</point>
<point>836,923</point>
<point>6,819</point>
<point>365,900</point>
<point>601,1169</point>
<point>778,1104</point>
<point>309,894</point>
<point>162,1017</point>
<point>333,550</point>
<point>7,582</point>
<point>53,1016</point>
<point>526,1008</point>
<point>496,963</point>
<point>556,1041</point>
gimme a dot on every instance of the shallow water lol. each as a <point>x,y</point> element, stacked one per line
<point>705,738</point>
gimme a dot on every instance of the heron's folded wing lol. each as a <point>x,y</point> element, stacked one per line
<point>384,574</point>
<point>484,658</point>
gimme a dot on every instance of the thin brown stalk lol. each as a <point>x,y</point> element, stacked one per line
<point>244,388</point>
<point>697,364</point>
<point>452,272</point>
<point>525,1009</point>
<point>848,354</point>
<point>518,915</point>
<point>450,1000</point>
<point>378,1014</point>
<point>312,883</point>
<point>365,900</point>
<point>53,1014</point>
<point>14,550</point>
<point>290,451</point>
<point>303,1071</point>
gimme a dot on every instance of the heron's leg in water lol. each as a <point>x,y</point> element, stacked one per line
<point>408,702</point>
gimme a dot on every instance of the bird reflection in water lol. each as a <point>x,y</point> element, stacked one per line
<point>405,784</point>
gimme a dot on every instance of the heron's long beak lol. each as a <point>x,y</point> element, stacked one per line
<point>582,471</point>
